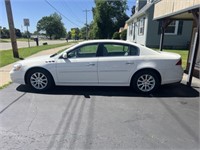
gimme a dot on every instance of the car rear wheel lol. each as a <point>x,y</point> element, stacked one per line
<point>40,80</point>
<point>145,81</point>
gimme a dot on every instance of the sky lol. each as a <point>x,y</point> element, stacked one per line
<point>34,10</point>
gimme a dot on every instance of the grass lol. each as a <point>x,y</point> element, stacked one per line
<point>184,55</point>
<point>4,40</point>
<point>6,56</point>
<point>5,85</point>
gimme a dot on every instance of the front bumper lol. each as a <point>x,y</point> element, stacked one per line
<point>17,76</point>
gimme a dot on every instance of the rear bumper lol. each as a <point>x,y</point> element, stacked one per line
<point>171,76</point>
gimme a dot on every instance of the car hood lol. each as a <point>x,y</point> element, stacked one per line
<point>38,60</point>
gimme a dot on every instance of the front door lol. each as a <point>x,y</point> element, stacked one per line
<point>80,67</point>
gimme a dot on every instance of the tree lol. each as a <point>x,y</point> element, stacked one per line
<point>92,31</point>
<point>108,16</point>
<point>18,33</point>
<point>69,35</point>
<point>52,25</point>
<point>116,35</point>
<point>26,34</point>
<point>75,33</point>
<point>83,33</point>
<point>124,34</point>
<point>5,33</point>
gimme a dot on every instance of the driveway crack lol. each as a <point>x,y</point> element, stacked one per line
<point>31,122</point>
<point>9,105</point>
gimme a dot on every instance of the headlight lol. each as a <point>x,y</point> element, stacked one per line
<point>17,67</point>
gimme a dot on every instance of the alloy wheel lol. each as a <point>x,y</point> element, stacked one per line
<point>39,80</point>
<point>146,82</point>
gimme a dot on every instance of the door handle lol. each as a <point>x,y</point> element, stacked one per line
<point>129,63</point>
<point>91,64</point>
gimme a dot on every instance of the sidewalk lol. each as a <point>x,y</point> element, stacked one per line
<point>195,81</point>
<point>4,71</point>
<point>5,77</point>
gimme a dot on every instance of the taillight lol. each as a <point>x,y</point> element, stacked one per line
<point>179,63</point>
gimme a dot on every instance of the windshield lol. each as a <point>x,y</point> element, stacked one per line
<point>55,54</point>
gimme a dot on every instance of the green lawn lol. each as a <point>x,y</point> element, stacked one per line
<point>24,40</point>
<point>183,53</point>
<point>6,56</point>
<point>4,40</point>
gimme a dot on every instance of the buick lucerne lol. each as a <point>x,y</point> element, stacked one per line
<point>101,63</point>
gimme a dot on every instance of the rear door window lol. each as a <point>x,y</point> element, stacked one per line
<point>113,49</point>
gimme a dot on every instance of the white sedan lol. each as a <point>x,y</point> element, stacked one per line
<point>101,63</point>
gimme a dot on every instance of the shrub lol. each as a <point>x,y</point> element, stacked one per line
<point>116,35</point>
<point>123,34</point>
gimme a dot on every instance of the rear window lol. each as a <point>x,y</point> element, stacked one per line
<point>113,49</point>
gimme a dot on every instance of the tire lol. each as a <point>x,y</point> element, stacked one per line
<point>39,80</point>
<point>145,81</point>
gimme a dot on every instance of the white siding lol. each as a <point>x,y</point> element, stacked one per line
<point>139,38</point>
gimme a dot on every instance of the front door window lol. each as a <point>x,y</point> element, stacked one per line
<point>84,51</point>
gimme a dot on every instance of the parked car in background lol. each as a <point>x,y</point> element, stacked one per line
<point>101,63</point>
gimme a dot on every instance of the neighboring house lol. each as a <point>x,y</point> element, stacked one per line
<point>123,28</point>
<point>167,11</point>
<point>142,29</point>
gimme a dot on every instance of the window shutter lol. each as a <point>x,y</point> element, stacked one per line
<point>180,27</point>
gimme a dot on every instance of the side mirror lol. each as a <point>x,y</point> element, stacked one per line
<point>64,56</point>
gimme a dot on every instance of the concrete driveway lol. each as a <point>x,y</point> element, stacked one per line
<point>99,118</point>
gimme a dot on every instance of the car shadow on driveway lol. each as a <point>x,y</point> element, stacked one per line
<point>172,90</point>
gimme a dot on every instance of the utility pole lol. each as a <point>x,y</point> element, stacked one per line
<point>11,28</point>
<point>86,11</point>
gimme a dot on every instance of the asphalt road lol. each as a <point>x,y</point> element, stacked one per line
<point>99,118</point>
<point>21,44</point>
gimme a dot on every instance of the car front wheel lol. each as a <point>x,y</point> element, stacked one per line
<point>145,81</point>
<point>40,80</point>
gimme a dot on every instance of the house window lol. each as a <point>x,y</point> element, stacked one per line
<point>141,26</point>
<point>172,28</point>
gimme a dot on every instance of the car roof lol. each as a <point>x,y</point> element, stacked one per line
<point>108,41</point>
<point>143,49</point>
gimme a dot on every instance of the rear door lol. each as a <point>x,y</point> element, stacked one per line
<point>116,63</point>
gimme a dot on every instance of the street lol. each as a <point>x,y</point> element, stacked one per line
<point>99,118</point>
<point>21,44</point>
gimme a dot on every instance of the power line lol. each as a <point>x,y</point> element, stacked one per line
<point>71,12</point>
<point>86,11</point>
<point>61,13</point>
